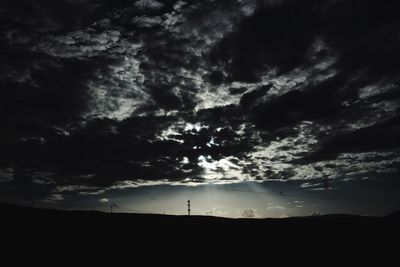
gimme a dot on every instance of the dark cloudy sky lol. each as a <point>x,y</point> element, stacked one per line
<point>249,107</point>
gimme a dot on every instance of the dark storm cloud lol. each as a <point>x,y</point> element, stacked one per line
<point>27,18</point>
<point>105,152</point>
<point>99,95</point>
<point>322,101</point>
<point>364,34</point>
<point>382,136</point>
<point>39,90</point>
<point>64,76</point>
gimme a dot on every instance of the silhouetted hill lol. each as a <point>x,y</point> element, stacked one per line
<point>15,216</point>
<point>395,215</point>
<point>96,235</point>
<point>80,231</point>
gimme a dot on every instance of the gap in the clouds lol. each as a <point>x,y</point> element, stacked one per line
<point>272,199</point>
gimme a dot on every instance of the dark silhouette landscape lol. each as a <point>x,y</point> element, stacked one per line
<point>52,220</point>
<point>244,111</point>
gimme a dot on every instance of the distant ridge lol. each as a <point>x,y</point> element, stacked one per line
<point>95,228</point>
<point>15,211</point>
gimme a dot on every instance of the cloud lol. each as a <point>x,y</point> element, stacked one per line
<point>248,213</point>
<point>218,212</point>
<point>54,198</point>
<point>277,36</point>
<point>380,136</point>
<point>6,175</point>
<point>101,96</point>
<point>148,5</point>
<point>277,212</point>
<point>82,43</point>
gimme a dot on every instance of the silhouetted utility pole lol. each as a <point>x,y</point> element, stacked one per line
<point>189,207</point>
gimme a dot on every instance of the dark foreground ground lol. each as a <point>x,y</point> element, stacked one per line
<point>71,235</point>
<point>27,219</point>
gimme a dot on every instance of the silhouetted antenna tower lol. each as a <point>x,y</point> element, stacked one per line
<point>188,207</point>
